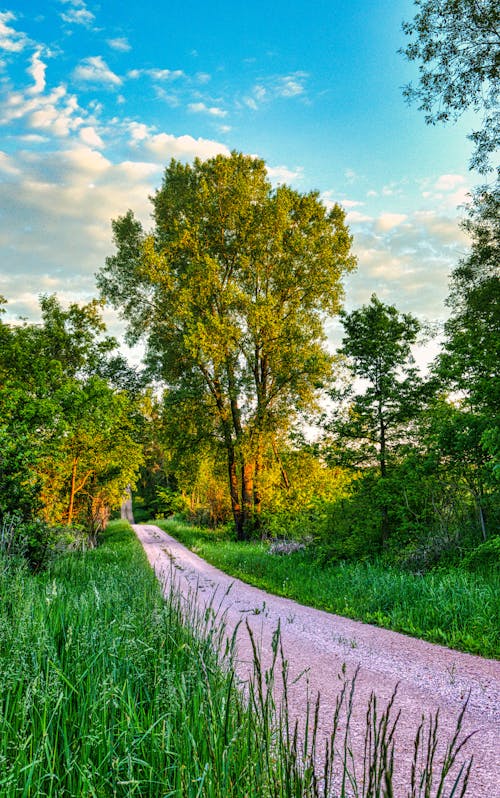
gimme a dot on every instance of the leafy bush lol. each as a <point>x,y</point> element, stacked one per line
<point>36,541</point>
<point>484,557</point>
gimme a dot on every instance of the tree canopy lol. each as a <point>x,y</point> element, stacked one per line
<point>457,45</point>
<point>230,290</point>
<point>68,443</point>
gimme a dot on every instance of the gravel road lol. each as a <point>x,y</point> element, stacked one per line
<point>317,644</point>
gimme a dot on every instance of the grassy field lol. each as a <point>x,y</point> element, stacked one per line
<point>455,608</point>
<point>104,692</point>
<point>107,691</point>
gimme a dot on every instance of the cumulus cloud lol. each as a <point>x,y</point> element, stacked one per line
<point>386,221</point>
<point>11,40</point>
<point>164,146</point>
<point>406,259</point>
<point>77,13</point>
<point>201,108</point>
<point>121,43</point>
<point>7,165</point>
<point>56,112</point>
<point>95,70</point>
<point>59,205</point>
<point>449,182</point>
<point>89,136</point>
<point>282,174</point>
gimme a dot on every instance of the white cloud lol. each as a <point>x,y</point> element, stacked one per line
<point>165,146</point>
<point>201,108</point>
<point>281,86</point>
<point>386,221</point>
<point>78,13</point>
<point>89,136</point>
<point>11,40</point>
<point>63,204</point>
<point>157,74</point>
<point>37,71</point>
<point>165,74</point>
<point>7,165</point>
<point>347,203</point>
<point>121,43</point>
<point>406,259</point>
<point>138,131</point>
<point>449,182</point>
<point>57,112</point>
<point>282,174</point>
<point>356,217</point>
<point>95,70</point>
<point>291,85</point>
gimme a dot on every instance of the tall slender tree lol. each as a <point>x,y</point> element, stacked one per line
<point>372,423</point>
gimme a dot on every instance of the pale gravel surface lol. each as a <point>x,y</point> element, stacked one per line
<point>317,643</point>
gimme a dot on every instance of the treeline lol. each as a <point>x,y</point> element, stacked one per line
<point>70,430</point>
<point>230,292</point>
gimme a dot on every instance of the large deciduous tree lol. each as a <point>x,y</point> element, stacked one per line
<point>457,45</point>
<point>230,290</point>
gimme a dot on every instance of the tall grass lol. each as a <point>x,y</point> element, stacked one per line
<point>105,691</point>
<point>455,608</point>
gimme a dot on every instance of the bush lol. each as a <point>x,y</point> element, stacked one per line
<point>36,541</point>
<point>485,557</point>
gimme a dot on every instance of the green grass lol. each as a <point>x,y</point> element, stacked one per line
<point>454,608</point>
<point>107,690</point>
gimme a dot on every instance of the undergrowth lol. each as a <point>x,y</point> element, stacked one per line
<point>454,607</point>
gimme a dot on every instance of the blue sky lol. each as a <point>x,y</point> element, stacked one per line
<point>96,98</point>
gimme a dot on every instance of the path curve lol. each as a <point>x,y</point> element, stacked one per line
<point>318,643</point>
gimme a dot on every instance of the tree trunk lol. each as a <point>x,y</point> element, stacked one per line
<point>72,490</point>
<point>383,473</point>
<point>235,495</point>
<point>257,496</point>
<point>247,497</point>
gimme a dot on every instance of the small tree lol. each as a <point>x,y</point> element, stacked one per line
<point>370,426</point>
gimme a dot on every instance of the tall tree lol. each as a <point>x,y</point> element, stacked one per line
<point>457,45</point>
<point>371,425</point>
<point>230,290</point>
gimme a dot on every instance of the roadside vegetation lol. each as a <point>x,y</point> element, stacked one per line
<point>455,607</point>
<point>106,689</point>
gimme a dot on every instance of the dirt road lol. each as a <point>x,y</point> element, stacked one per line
<point>317,644</point>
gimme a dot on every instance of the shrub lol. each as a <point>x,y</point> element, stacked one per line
<point>484,557</point>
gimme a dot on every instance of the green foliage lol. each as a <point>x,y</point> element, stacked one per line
<point>456,43</point>
<point>485,557</point>
<point>450,607</point>
<point>470,359</point>
<point>370,428</point>
<point>230,292</point>
<point>67,435</point>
